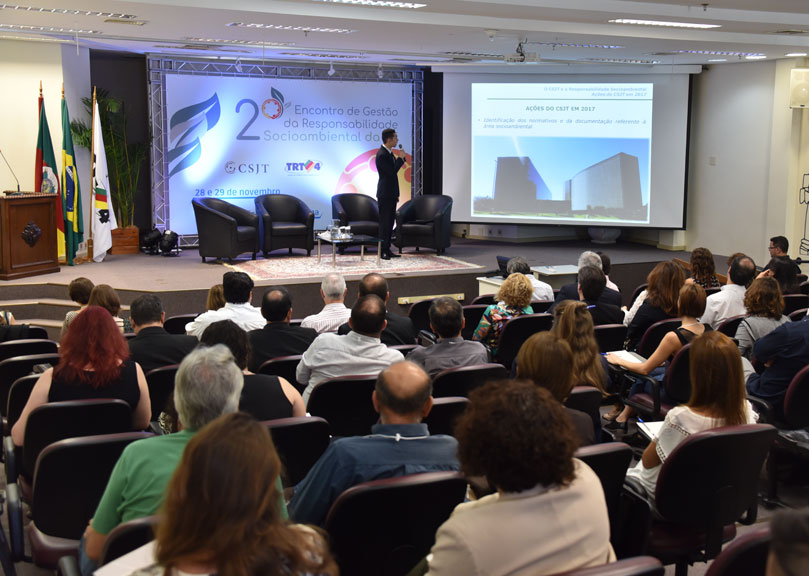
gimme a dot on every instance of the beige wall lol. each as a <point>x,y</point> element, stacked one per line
<point>22,66</point>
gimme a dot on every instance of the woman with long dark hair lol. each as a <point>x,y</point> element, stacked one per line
<point>93,363</point>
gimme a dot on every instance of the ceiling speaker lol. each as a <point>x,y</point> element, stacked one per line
<point>799,88</point>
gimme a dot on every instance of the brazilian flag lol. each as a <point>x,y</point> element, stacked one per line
<point>71,191</point>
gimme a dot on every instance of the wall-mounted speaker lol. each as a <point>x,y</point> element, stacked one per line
<point>799,88</point>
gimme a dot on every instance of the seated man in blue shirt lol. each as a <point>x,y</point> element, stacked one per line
<point>784,352</point>
<point>400,445</point>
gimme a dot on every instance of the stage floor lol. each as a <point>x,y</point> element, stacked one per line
<point>140,272</point>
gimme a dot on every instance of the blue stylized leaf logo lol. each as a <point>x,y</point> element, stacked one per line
<point>186,127</point>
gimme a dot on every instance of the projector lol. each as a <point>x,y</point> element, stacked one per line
<point>521,57</point>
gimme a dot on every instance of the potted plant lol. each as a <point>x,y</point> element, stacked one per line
<point>124,160</point>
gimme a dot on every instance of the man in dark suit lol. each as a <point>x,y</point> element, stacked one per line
<point>400,329</point>
<point>277,338</point>
<point>153,347</point>
<point>387,190</point>
<point>571,291</point>
<point>592,283</point>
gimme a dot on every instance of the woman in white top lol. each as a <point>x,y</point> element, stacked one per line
<point>222,509</point>
<point>717,399</point>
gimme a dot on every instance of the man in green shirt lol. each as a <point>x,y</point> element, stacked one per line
<point>208,384</point>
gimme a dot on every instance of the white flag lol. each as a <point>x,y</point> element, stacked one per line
<point>103,221</point>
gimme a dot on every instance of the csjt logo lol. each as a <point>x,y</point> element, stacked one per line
<point>186,127</point>
<point>273,107</point>
<point>308,167</point>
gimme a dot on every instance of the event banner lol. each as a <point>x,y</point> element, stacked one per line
<point>238,138</point>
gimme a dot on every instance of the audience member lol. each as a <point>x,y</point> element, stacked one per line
<point>658,301</point>
<point>779,248</point>
<point>519,265</point>
<point>765,307</point>
<point>703,268</point>
<point>216,297</point>
<point>571,291</point>
<point>223,512</point>
<point>573,324</point>
<point>690,306</point>
<point>358,352</point>
<point>334,313</point>
<point>400,444</point>
<point>451,350</point>
<point>277,337</point>
<point>105,296</point>
<point>785,272</point>
<point>789,547</point>
<point>79,291</point>
<point>606,267</point>
<point>153,347</point>
<point>729,301</point>
<point>207,385</point>
<point>10,330</point>
<point>400,329</point>
<point>547,361</point>
<point>513,299</point>
<point>93,363</point>
<point>238,290</point>
<point>517,436</point>
<point>783,352</point>
<point>591,285</point>
<point>265,397</point>
<point>717,399</point>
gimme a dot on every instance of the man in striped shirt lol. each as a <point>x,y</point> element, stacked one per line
<point>333,291</point>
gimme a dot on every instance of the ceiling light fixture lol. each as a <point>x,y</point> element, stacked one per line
<point>46,29</point>
<point>664,23</point>
<point>376,3</point>
<point>239,42</point>
<point>795,54</point>
<point>718,60</point>
<point>755,57</point>
<point>331,69</point>
<point>238,65</point>
<point>260,26</point>
<point>379,72</point>
<point>69,11</point>
<point>620,61</point>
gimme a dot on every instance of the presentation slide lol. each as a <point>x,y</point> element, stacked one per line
<point>586,150</point>
<point>562,151</point>
<point>237,138</point>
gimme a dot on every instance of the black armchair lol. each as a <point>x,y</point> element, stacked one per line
<point>357,210</point>
<point>424,221</point>
<point>224,230</point>
<point>284,221</point>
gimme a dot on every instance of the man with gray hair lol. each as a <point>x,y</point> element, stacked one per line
<point>519,265</point>
<point>334,313</point>
<point>571,291</point>
<point>208,384</point>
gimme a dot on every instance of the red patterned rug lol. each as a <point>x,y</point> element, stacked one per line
<point>349,265</point>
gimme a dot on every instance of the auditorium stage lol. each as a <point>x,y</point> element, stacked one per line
<point>183,281</point>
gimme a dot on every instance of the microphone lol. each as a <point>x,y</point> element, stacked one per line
<point>10,170</point>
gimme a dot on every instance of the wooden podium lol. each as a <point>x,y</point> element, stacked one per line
<point>28,235</point>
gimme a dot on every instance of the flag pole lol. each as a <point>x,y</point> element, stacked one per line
<point>92,177</point>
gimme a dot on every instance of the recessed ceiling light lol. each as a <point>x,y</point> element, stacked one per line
<point>664,23</point>
<point>718,53</point>
<point>795,54</point>
<point>238,42</point>
<point>46,29</point>
<point>376,3</point>
<point>289,27</point>
<point>36,39</point>
<point>718,60</point>
<point>573,45</point>
<point>324,55</point>
<point>755,57</point>
<point>620,61</point>
<point>65,11</point>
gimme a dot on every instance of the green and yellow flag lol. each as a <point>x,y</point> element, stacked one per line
<point>71,194</point>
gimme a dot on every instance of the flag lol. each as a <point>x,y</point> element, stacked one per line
<point>45,179</point>
<point>71,191</point>
<point>103,221</point>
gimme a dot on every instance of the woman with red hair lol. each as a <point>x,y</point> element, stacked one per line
<point>93,363</point>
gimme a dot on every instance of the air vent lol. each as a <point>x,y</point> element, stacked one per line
<point>324,56</point>
<point>125,21</point>
<point>791,32</point>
